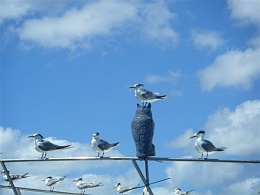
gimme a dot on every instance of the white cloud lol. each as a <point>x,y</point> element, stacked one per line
<point>170,77</point>
<point>248,186</point>
<point>85,26</point>
<point>232,69</point>
<point>247,12</point>
<point>186,172</point>
<point>77,26</point>
<point>207,39</point>
<point>156,26</point>
<point>240,127</point>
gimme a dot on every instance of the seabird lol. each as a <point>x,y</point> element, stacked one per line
<point>124,190</point>
<point>83,186</point>
<point>178,191</point>
<point>45,146</point>
<point>14,177</point>
<point>99,145</point>
<point>49,181</point>
<point>146,96</point>
<point>202,145</point>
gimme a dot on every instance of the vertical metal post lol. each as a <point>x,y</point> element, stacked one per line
<point>9,178</point>
<point>145,181</point>
<point>147,171</point>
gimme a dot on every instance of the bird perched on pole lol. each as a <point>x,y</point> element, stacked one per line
<point>83,186</point>
<point>51,182</point>
<point>99,145</point>
<point>204,146</point>
<point>124,190</point>
<point>14,177</point>
<point>146,96</point>
<point>178,191</point>
<point>45,146</point>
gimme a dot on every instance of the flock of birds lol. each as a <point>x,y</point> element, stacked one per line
<point>100,146</point>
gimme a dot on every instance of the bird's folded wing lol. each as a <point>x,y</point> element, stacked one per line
<point>147,94</point>
<point>47,146</point>
<point>104,145</point>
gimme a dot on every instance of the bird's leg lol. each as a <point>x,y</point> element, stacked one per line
<point>201,156</point>
<point>45,154</point>
<point>102,154</point>
<point>207,156</point>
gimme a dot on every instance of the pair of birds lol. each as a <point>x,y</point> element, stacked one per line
<point>83,186</point>
<point>97,144</point>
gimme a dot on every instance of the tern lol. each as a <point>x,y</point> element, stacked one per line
<point>49,181</point>
<point>14,177</point>
<point>146,96</point>
<point>44,146</point>
<point>99,145</point>
<point>124,190</point>
<point>178,191</point>
<point>202,145</point>
<point>83,186</point>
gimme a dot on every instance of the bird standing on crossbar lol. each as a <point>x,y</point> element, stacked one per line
<point>45,146</point>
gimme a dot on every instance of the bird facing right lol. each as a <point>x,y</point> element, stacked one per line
<point>204,146</point>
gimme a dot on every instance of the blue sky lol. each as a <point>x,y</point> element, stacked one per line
<point>65,72</point>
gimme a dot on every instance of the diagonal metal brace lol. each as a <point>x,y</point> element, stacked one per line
<point>9,178</point>
<point>145,181</point>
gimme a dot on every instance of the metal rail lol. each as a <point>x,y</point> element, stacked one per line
<point>131,158</point>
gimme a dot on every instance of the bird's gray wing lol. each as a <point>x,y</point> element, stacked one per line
<point>125,189</point>
<point>147,94</point>
<point>104,145</point>
<point>83,186</point>
<point>52,182</point>
<point>208,146</point>
<point>48,146</point>
<point>14,177</point>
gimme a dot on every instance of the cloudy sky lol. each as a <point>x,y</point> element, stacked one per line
<point>65,71</point>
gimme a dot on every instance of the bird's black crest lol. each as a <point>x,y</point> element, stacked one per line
<point>40,135</point>
<point>201,131</point>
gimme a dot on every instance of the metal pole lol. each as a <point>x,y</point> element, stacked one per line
<point>142,177</point>
<point>147,171</point>
<point>9,178</point>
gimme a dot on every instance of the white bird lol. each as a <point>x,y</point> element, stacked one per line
<point>83,186</point>
<point>45,146</point>
<point>204,146</point>
<point>145,191</point>
<point>178,191</point>
<point>51,182</point>
<point>14,177</point>
<point>146,96</point>
<point>124,190</point>
<point>99,145</point>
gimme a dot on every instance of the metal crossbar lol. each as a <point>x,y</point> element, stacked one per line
<point>145,180</point>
